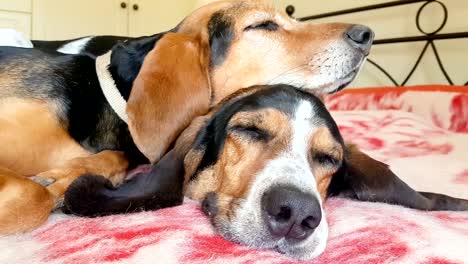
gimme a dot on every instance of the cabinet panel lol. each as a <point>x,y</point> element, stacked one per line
<point>19,21</point>
<point>16,5</point>
<point>154,16</point>
<point>60,19</point>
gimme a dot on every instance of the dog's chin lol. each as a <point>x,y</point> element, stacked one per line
<point>304,250</point>
<point>301,253</point>
<point>340,83</point>
<point>308,249</point>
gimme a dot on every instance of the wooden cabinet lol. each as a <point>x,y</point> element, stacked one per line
<point>147,17</point>
<point>65,19</point>
<point>16,5</point>
<point>16,14</point>
<point>16,20</point>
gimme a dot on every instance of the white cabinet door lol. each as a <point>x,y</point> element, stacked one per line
<point>65,19</point>
<point>16,20</point>
<point>16,14</point>
<point>148,17</point>
<point>16,5</point>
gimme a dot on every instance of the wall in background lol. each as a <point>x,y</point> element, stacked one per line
<point>65,19</point>
<point>398,22</point>
<point>199,3</point>
<point>16,15</point>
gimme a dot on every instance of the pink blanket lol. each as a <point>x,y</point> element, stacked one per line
<point>423,135</point>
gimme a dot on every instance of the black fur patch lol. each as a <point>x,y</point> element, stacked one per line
<point>99,45</point>
<point>96,46</point>
<point>221,34</point>
<point>91,120</point>
<point>91,191</point>
<point>127,59</point>
<point>209,205</point>
<point>127,55</point>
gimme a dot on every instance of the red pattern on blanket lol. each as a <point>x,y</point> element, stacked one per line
<point>423,150</point>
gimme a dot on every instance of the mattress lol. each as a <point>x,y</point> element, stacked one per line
<point>421,132</point>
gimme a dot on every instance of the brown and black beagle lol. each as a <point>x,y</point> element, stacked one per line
<point>261,164</point>
<point>62,116</point>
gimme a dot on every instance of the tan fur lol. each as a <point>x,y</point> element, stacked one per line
<point>110,164</point>
<point>185,142</point>
<point>370,170</point>
<point>32,139</point>
<point>34,143</point>
<point>25,204</point>
<point>323,142</point>
<point>168,93</point>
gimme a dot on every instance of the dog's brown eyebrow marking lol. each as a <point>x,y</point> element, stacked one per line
<point>323,141</point>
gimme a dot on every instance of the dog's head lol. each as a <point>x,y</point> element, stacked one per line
<point>261,166</point>
<point>226,46</point>
<point>251,43</point>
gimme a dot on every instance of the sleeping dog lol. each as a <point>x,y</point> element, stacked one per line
<point>63,116</point>
<point>261,164</point>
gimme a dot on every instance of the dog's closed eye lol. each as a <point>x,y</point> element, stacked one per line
<point>265,25</point>
<point>252,132</point>
<point>326,159</point>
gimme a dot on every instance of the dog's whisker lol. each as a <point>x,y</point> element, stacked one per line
<point>287,72</point>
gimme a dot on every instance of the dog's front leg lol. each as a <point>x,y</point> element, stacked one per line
<point>24,204</point>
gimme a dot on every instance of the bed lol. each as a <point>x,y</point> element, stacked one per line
<point>420,131</point>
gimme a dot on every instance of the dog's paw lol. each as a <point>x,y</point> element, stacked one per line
<point>54,174</point>
<point>86,196</point>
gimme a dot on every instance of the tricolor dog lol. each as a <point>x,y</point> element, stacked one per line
<point>261,164</point>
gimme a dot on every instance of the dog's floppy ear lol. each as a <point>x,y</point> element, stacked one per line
<point>171,89</point>
<point>366,179</point>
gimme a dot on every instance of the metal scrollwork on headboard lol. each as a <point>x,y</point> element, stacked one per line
<point>428,37</point>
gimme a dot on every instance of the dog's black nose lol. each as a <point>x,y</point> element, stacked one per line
<point>291,213</point>
<point>360,37</point>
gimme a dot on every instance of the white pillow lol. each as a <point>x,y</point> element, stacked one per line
<point>11,37</point>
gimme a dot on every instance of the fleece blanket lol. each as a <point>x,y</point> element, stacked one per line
<point>421,132</point>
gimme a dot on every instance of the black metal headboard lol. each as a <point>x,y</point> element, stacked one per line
<point>428,37</point>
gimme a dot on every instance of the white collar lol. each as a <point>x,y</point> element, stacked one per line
<point>112,94</point>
